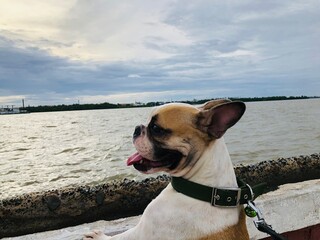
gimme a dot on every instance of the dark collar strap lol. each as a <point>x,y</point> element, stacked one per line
<point>220,197</point>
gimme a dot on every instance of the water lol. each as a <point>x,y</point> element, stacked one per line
<point>41,151</point>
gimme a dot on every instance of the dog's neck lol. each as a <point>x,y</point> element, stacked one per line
<point>214,168</point>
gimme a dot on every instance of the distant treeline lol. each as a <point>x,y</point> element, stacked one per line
<point>75,107</point>
<point>254,99</point>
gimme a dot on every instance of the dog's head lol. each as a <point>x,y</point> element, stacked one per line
<point>177,134</point>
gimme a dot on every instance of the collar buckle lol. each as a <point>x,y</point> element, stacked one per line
<point>226,197</point>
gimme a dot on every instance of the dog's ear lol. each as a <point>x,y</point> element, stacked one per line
<point>213,103</point>
<point>216,120</point>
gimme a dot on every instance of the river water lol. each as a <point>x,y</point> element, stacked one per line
<point>42,151</point>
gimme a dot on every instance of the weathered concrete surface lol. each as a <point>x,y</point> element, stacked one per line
<point>55,209</point>
<point>281,171</point>
<point>291,207</point>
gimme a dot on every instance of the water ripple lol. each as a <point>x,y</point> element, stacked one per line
<point>42,151</point>
<point>71,150</point>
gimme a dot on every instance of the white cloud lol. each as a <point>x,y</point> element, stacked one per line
<point>235,54</point>
<point>106,50</point>
<point>11,100</point>
<point>166,96</point>
<point>134,76</point>
<point>87,31</point>
<point>118,32</point>
<point>19,22</point>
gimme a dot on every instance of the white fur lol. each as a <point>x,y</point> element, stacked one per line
<point>175,216</point>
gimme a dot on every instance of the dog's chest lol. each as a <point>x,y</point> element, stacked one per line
<point>176,216</point>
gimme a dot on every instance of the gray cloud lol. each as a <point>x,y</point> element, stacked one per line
<point>217,49</point>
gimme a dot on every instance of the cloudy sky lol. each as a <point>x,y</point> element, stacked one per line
<point>92,51</point>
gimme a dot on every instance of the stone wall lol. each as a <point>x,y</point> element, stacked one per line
<point>59,208</point>
<point>293,210</point>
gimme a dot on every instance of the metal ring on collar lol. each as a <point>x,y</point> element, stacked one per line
<point>252,194</point>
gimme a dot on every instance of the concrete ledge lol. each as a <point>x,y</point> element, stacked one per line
<point>56,209</point>
<point>291,207</point>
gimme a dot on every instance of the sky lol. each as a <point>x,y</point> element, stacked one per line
<point>93,51</point>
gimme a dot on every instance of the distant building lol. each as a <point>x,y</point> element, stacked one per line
<point>12,110</point>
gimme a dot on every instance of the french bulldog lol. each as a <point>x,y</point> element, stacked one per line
<point>186,141</point>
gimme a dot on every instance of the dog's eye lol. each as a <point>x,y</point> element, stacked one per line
<point>155,129</point>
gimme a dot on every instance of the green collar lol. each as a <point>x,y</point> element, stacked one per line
<point>219,197</point>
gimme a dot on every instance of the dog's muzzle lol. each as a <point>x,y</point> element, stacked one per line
<point>138,131</point>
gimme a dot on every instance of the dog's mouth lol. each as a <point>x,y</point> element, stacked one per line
<point>168,161</point>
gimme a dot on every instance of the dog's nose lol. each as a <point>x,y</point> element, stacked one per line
<point>137,131</point>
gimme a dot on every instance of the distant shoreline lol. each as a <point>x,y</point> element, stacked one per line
<point>106,105</point>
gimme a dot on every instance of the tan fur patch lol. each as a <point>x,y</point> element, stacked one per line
<point>181,119</point>
<point>236,232</point>
<point>176,116</point>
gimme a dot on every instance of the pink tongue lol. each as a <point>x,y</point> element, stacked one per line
<point>134,159</point>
